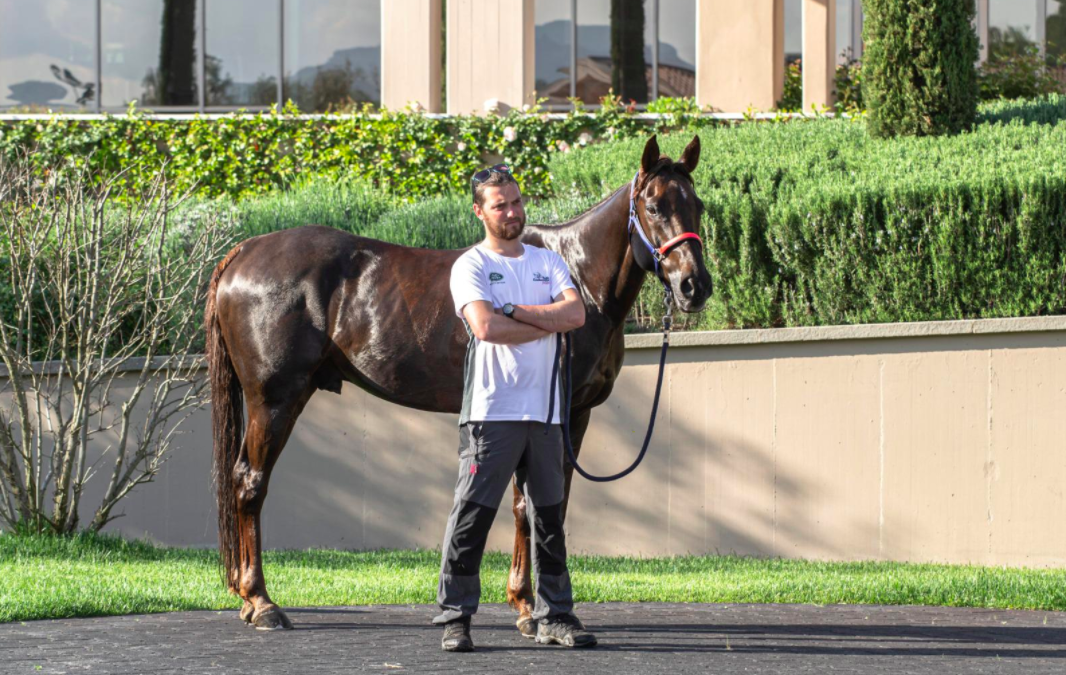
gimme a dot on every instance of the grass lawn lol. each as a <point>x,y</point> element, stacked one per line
<point>45,577</point>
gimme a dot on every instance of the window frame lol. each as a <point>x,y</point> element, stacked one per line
<point>201,44</point>
<point>652,95</point>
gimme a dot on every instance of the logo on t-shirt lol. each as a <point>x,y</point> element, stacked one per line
<point>495,278</point>
<point>542,278</point>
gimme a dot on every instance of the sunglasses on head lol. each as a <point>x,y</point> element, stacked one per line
<point>483,175</point>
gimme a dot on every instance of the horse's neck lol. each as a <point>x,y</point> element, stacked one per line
<point>607,269</point>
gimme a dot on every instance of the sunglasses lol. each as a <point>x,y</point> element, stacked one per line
<point>483,175</point>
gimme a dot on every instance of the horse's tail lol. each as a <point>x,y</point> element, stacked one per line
<point>227,423</point>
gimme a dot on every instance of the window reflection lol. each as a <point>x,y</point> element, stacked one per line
<point>793,30</point>
<point>677,48</point>
<point>46,53</point>
<point>845,50</point>
<point>1055,28</point>
<point>332,53</point>
<point>150,51</point>
<point>242,53</point>
<point>552,38</point>
<point>613,50</point>
<point>1011,28</point>
<point>1055,35</point>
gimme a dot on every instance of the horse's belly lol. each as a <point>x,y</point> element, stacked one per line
<point>425,382</point>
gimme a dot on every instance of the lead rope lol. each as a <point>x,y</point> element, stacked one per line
<point>567,388</point>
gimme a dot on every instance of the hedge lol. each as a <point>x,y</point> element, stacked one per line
<point>806,224</point>
<point>406,153</point>
<point>809,223</point>
<point>819,224</point>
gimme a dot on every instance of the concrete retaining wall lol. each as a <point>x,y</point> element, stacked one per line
<point>917,442</point>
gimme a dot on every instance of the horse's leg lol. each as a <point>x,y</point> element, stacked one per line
<point>268,430</point>
<point>519,583</point>
<point>519,586</point>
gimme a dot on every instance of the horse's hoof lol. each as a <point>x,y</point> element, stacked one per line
<point>527,627</point>
<point>247,611</point>
<point>271,618</point>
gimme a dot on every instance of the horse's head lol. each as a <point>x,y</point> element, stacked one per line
<point>668,211</point>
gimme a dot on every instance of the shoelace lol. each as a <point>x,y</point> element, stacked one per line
<point>456,629</point>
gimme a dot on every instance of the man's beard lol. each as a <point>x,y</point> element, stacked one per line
<point>508,231</point>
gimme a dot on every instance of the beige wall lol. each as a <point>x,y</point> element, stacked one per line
<point>918,442</point>
<point>411,53</point>
<point>490,54</point>
<point>740,54</point>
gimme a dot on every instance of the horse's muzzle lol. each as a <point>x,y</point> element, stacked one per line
<point>693,292</point>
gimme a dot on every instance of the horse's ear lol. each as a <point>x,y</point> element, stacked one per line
<point>651,155</point>
<point>691,156</point>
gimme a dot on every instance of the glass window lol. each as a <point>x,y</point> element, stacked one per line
<point>793,30</point>
<point>242,53</point>
<point>677,48</point>
<point>332,53</point>
<point>1055,29</point>
<point>845,50</point>
<point>552,58</point>
<point>627,31</point>
<point>150,52</point>
<point>47,53</point>
<point>1011,28</point>
<point>1055,35</point>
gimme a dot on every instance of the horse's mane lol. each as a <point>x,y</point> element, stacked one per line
<point>663,165</point>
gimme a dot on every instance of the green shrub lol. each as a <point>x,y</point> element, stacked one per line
<point>918,66</point>
<point>847,83</point>
<point>1043,110</point>
<point>351,205</point>
<point>406,154</point>
<point>1017,70</point>
<point>444,222</point>
<point>818,224</point>
<point>792,93</point>
<point>808,222</point>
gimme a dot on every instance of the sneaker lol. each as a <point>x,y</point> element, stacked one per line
<point>566,630</point>
<point>457,636</point>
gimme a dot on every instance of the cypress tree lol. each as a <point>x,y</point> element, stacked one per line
<point>919,66</point>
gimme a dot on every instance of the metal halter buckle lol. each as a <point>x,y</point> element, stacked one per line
<point>668,317</point>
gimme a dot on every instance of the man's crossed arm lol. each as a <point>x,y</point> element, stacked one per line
<point>530,322</point>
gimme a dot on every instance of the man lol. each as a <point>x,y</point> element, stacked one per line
<point>513,298</point>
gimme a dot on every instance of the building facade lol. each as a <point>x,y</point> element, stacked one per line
<point>450,56</point>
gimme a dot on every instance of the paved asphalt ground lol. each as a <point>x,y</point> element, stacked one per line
<point>634,638</point>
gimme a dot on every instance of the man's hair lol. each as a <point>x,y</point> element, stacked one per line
<point>495,179</point>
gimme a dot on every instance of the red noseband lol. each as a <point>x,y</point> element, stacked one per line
<point>665,249</point>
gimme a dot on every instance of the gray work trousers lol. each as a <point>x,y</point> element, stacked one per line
<point>489,454</point>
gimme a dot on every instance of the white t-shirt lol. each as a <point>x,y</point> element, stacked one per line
<point>508,382</point>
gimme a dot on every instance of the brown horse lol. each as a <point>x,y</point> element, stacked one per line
<point>295,311</point>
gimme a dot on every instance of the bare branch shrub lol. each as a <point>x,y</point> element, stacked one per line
<point>100,307</point>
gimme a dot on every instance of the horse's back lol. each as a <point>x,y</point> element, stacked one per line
<point>342,307</point>
<point>326,258</point>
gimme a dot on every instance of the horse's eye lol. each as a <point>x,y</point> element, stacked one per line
<point>652,211</point>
